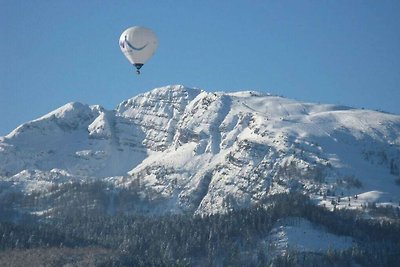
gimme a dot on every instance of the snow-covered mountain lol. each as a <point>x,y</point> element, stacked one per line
<point>194,151</point>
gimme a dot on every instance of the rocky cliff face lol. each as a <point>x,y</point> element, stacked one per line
<point>193,151</point>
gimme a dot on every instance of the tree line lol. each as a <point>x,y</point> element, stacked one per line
<point>81,219</point>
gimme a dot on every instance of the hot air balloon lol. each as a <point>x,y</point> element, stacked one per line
<point>138,44</point>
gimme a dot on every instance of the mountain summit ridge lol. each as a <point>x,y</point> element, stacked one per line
<point>207,152</point>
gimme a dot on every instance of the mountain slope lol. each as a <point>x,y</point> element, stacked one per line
<point>192,151</point>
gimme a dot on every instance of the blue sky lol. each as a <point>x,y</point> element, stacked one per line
<point>338,52</point>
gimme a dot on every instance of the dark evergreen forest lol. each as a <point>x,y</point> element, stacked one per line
<point>96,224</point>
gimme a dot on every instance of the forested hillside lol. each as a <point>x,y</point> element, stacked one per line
<point>77,234</point>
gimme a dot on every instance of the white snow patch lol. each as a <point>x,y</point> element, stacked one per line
<point>301,235</point>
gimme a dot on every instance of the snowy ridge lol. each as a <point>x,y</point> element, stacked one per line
<point>207,152</point>
<point>157,113</point>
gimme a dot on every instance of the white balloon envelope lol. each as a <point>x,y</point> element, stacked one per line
<point>138,44</point>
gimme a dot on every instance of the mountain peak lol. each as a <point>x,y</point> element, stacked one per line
<point>67,109</point>
<point>69,116</point>
<point>209,152</point>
